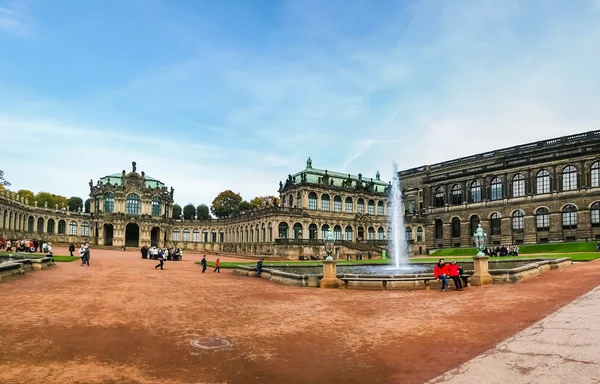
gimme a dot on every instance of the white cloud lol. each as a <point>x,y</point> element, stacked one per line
<point>14,19</point>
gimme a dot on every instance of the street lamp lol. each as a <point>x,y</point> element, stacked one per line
<point>329,241</point>
<point>480,237</point>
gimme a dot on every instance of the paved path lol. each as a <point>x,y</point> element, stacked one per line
<point>562,348</point>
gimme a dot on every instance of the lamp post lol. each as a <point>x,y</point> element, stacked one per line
<point>480,238</point>
<point>481,274</point>
<point>329,241</point>
<point>329,279</point>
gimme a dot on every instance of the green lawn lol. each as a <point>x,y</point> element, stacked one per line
<point>311,263</point>
<point>589,256</point>
<point>66,259</point>
<point>40,255</point>
<point>589,246</point>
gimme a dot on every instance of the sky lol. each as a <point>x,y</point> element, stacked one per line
<point>214,95</point>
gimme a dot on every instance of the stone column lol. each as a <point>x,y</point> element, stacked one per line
<point>330,279</point>
<point>482,275</point>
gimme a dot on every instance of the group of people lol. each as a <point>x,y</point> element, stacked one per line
<point>155,253</point>
<point>31,246</point>
<point>510,250</point>
<point>217,265</point>
<point>84,253</point>
<point>443,271</point>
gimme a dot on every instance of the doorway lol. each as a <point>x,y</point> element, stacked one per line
<point>154,236</point>
<point>132,235</point>
<point>108,234</point>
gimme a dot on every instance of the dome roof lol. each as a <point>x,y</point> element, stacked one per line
<point>117,180</point>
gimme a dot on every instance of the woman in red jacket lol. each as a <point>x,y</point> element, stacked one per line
<point>454,272</point>
<point>440,271</point>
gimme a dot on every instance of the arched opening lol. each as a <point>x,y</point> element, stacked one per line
<point>456,194</point>
<point>156,206</point>
<point>496,189</point>
<point>348,233</point>
<point>569,175</point>
<point>476,192</point>
<point>62,227</point>
<point>542,219</point>
<point>5,220</point>
<point>380,234</point>
<point>518,221</point>
<point>337,232</point>
<point>408,234</point>
<point>439,197</point>
<point>324,231</point>
<point>595,214</point>
<point>133,205</point>
<point>371,233</point>
<point>312,200</point>
<point>30,222</point>
<point>108,234</point>
<point>542,182</point>
<point>439,229</point>
<point>380,209</point>
<point>325,202</point>
<point>360,234</point>
<point>283,230</point>
<point>154,236</point>
<point>313,232</point>
<point>50,228</point>
<point>389,233</point>
<point>349,205</point>
<point>337,204</point>
<point>496,223</point>
<point>132,235</point>
<point>419,234</point>
<point>40,225</point>
<point>360,206</point>
<point>299,200</point>
<point>109,202</point>
<point>371,207</point>
<point>297,231</point>
<point>474,223</point>
<point>518,187</point>
<point>569,217</point>
<point>455,227</point>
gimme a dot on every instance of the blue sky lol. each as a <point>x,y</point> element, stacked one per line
<point>214,95</point>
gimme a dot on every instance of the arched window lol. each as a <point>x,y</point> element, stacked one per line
<point>325,202</point>
<point>542,182</point>
<point>408,234</point>
<point>439,229</point>
<point>360,206</point>
<point>133,205</point>
<point>380,234</point>
<point>542,219</point>
<point>40,224</point>
<point>349,205</point>
<point>290,201</point>
<point>337,204</point>
<point>569,217</point>
<point>371,233</point>
<point>389,233</point>
<point>109,202</point>
<point>348,233</point>
<point>283,230</point>
<point>85,229</point>
<point>595,214</point>
<point>196,235</point>
<point>205,236</point>
<point>186,235</point>
<point>50,228</point>
<point>62,227</point>
<point>324,231</point>
<point>371,207</point>
<point>455,227</point>
<point>419,234</point>
<point>30,222</point>
<point>569,181</point>
<point>595,175</point>
<point>213,236</point>
<point>297,229</point>
<point>299,199</point>
<point>176,234</point>
<point>337,232</point>
<point>439,197</point>
<point>518,221</point>
<point>518,187</point>
<point>380,208</point>
<point>156,206</point>
<point>456,194</point>
<point>496,223</point>
<point>475,192</point>
<point>496,189</point>
<point>312,200</point>
<point>73,228</point>
<point>313,231</point>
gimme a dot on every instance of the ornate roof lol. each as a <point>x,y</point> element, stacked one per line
<point>116,179</point>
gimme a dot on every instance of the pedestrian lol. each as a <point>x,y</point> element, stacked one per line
<point>82,254</point>
<point>217,266</point>
<point>161,260</point>
<point>203,263</point>
<point>49,251</point>
<point>440,272</point>
<point>259,267</point>
<point>71,249</point>
<point>454,272</point>
<point>86,254</point>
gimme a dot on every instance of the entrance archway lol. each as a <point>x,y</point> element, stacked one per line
<point>154,236</point>
<point>132,235</point>
<point>108,234</point>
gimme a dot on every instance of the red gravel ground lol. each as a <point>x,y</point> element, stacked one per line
<point>122,321</point>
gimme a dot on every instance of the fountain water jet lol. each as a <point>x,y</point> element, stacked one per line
<point>398,240</point>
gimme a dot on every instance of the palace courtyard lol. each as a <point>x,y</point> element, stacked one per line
<point>122,321</point>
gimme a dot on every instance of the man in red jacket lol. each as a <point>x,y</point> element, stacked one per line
<point>454,272</point>
<point>440,272</point>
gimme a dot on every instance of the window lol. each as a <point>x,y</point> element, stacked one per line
<point>371,233</point>
<point>156,211</point>
<point>50,226</point>
<point>290,201</point>
<point>312,231</point>
<point>439,229</point>
<point>419,234</point>
<point>109,202</point>
<point>496,189</point>
<point>337,232</point>
<point>542,182</point>
<point>476,192</point>
<point>283,230</point>
<point>196,236</point>
<point>439,197</point>
<point>542,219</point>
<point>496,221</point>
<point>389,233</point>
<point>325,202</point>
<point>380,234</point>
<point>456,194</point>
<point>132,206</point>
<point>595,175</point>
<point>360,206</point>
<point>408,234</point>
<point>411,208</point>
<point>348,233</point>
<point>205,236</point>
<point>569,175</point>
<point>371,207</point>
<point>73,228</point>
<point>85,229</point>
<point>595,214</point>
<point>176,235</point>
<point>380,208</point>
<point>349,205</point>
<point>337,204</point>
<point>518,221</point>
<point>569,217</point>
<point>297,231</point>
<point>455,227</point>
<point>518,188</point>
<point>299,199</point>
<point>324,231</point>
<point>186,235</point>
<point>312,200</point>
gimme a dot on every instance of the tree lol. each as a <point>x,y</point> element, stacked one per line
<point>176,211</point>
<point>51,199</point>
<point>189,211</point>
<point>27,194</point>
<point>87,205</point>
<point>225,204</point>
<point>260,202</point>
<point>3,182</point>
<point>244,207</point>
<point>202,212</point>
<point>75,203</point>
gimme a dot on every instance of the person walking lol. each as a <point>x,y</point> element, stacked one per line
<point>203,263</point>
<point>259,267</point>
<point>440,272</point>
<point>217,266</point>
<point>161,260</point>
<point>454,272</point>
<point>71,249</point>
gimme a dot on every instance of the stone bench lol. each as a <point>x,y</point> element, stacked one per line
<point>41,263</point>
<point>395,282</point>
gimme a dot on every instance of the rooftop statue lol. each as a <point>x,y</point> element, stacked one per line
<point>377,176</point>
<point>308,163</point>
<point>133,166</point>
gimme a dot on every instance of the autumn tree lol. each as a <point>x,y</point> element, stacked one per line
<point>27,194</point>
<point>203,212</point>
<point>75,203</point>
<point>244,207</point>
<point>176,211</point>
<point>225,204</point>
<point>189,211</point>
<point>260,202</point>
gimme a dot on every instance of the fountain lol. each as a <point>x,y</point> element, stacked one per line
<point>398,241</point>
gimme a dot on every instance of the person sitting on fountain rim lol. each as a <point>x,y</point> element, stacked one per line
<point>440,272</point>
<point>454,272</point>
